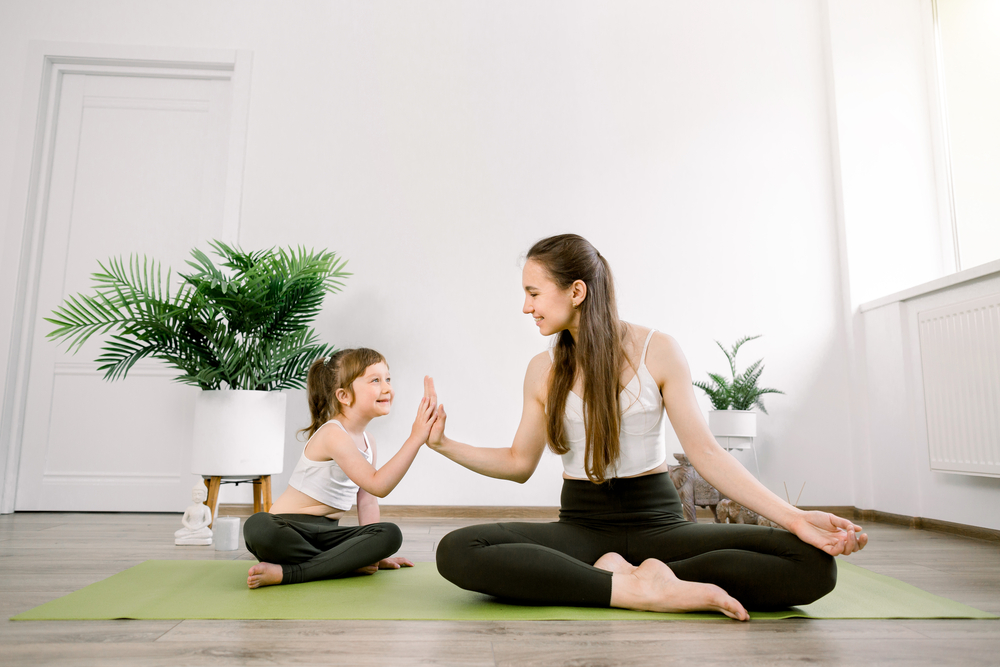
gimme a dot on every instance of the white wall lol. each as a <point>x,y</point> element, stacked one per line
<point>894,226</point>
<point>432,142</point>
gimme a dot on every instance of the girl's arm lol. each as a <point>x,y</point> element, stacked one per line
<point>368,513</point>
<point>669,368</point>
<point>341,448</point>
<point>517,462</point>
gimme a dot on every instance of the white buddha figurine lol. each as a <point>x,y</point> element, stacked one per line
<point>196,519</point>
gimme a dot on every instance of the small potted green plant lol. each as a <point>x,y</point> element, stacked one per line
<point>240,331</point>
<point>733,399</point>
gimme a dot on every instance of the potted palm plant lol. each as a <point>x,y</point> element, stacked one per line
<point>733,399</point>
<point>240,331</point>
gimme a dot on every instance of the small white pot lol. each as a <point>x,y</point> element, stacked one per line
<point>238,432</point>
<point>733,423</point>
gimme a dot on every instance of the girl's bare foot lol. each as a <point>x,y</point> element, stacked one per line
<point>654,587</point>
<point>612,562</point>
<point>264,574</point>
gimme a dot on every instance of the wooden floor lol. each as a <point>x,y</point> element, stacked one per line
<point>45,556</point>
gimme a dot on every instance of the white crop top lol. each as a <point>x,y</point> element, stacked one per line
<point>643,444</point>
<point>325,481</point>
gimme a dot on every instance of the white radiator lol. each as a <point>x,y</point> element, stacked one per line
<point>960,356</point>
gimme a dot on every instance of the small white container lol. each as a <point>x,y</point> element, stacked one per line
<point>227,533</point>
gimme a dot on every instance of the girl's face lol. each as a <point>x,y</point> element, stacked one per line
<point>549,305</point>
<point>373,391</point>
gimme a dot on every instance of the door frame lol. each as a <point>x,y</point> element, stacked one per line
<point>22,252</point>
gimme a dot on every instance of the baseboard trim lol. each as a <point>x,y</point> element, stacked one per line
<point>434,511</point>
<point>936,525</point>
<point>552,513</point>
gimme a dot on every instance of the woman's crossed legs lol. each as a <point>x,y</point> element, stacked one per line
<point>553,563</point>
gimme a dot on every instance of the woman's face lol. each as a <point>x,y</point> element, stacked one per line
<point>549,305</point>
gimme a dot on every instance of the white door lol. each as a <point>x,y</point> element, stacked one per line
<point>138,166</point>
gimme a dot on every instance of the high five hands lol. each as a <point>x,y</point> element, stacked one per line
<point>427,412</point>
<point>428,427</point>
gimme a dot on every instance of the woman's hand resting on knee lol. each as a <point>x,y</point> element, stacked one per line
<point>834,535</point>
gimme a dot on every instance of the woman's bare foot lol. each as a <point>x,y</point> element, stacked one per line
<point>264,574</point>
<point>612,562</point>
<point>654,587</point>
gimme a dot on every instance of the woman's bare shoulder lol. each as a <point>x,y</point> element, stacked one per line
<point>536,378</point>
<point>659,343</point>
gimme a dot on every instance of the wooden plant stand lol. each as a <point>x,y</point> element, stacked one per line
<point>261,492</point>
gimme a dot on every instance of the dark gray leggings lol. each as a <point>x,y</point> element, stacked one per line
<point>638,518</point>
<point>310,547</point>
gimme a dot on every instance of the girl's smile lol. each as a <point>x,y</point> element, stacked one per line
<point>373,390</point>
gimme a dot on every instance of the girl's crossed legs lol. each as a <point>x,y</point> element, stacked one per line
<point>309,547</point>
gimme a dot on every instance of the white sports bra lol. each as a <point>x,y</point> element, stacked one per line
<point>325,481</point>
<point>643,444</point>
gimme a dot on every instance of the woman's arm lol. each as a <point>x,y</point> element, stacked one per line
<point>517,462</point>
<point>341,448</point>
<point>669,368</point>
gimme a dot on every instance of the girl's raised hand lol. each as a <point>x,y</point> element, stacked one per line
<point>426,412</point>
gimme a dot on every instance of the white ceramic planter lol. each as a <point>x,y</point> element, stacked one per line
<point>238,432</point>
<point>733,423</point>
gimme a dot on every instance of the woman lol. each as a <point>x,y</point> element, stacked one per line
<point>621,540</point>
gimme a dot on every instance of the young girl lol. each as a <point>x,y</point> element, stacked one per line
<point>300,539</point>
<point>598,399</point>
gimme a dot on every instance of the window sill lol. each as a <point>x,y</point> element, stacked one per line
<point>968,275</point>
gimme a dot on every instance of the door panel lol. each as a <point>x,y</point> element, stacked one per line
<point>138,166</point>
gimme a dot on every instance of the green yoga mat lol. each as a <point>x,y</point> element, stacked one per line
<point>183,589</point>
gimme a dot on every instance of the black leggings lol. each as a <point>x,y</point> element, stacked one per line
<point>314,547</point>
<point>638,518</point>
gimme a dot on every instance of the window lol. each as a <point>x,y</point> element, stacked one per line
<point>969,68</point>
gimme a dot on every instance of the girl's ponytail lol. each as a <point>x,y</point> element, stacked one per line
<point>321,383</point>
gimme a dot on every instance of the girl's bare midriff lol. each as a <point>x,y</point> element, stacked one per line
<point>293,501</point>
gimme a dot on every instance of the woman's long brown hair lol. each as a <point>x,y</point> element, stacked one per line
<point>599,354</point>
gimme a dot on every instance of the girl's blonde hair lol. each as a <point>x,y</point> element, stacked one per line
<point>327,375</point>
<point>599,354</point>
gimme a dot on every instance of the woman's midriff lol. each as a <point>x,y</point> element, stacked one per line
<point>623,500</point>
<point>655,471</point>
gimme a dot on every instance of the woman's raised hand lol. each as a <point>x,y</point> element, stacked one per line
<point>426,412</point>
<point>834,535</point>
<point>436,438</point>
